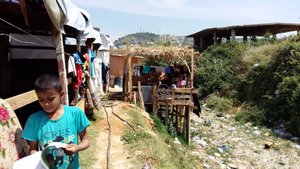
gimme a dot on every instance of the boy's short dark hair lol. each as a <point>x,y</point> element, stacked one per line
<point>46,82</point>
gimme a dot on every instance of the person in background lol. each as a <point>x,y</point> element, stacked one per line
<point>56,122</point>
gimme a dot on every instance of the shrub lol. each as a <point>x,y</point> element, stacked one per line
<point>251,113</point>
<point>218,103</point>
<point>220,65</point>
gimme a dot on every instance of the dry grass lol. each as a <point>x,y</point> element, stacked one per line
<point>87,157</point>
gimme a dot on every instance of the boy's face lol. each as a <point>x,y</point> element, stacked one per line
<point>49,99</point>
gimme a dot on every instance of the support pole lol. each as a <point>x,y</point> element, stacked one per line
<point>215,38</point>
<point>60,55</point>
<point>232,35</point>
<point>129,73</point>
<point>192,68</point>
<point>141,95</point>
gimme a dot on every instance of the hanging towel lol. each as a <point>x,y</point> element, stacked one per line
<point>146,69</point>
<point>71,65</point>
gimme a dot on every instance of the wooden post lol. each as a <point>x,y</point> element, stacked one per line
<point>188,121</point>
<point>129,73</point>
<point>134,97</point>
<point>141,95</point>
<point>125,73</point>
<point>154,97</point>
<point>60,55</point>
<point>215,38</point>
<point>167,113</point>
<point>192,71</point>
<point>232,35</point>
<point>245,38</point>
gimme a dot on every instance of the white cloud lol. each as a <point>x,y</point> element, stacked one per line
<point>237,10</point>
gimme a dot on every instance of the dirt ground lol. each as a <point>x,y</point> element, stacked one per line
<point>221,143</point>
<point>118,156</point>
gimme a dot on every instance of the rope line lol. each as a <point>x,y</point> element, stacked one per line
<point>3,20</point>
<point>109,141</point>
<point>110,130</point>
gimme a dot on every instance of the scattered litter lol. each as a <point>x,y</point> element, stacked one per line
<point>176,141</point>
<point>268,144</point>
<point>147,165</point>
<point>256,132</point>
<point>223,148</point>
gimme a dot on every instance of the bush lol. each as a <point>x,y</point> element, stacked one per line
<point>218,103</point>
<point>251,113</point>
<point>220,65</point>
<point>274,86</point>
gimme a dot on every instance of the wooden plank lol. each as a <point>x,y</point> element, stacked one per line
<point>141,95</point>
<point>186,90</point>
<point>22,99</point>
<point>154,99</point>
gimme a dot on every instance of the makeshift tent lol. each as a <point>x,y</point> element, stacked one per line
<point>102,63</point>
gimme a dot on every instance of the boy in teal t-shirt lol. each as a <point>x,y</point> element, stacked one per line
<point>56,123</point>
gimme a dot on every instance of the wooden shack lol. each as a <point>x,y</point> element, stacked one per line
<point>172,102</point>
<point>31,44</point>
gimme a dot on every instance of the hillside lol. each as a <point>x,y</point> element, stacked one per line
<point>151,39</point>
<point>137,38</point>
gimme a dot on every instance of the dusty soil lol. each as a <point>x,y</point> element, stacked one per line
<point>118,156</point>
<point>220,143</point>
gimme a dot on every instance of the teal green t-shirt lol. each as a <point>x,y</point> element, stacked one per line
<point>41,129</point>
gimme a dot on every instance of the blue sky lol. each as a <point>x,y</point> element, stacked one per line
<point>183,17</point>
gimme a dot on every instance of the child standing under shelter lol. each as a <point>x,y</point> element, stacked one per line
<point>56,123</point>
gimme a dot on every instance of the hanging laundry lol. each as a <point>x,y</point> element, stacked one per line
<point>78,58</point>
<point>71,65</point>
<point>91,62</point>
<point>79,77</point>
<point>168,70</point>
<point>146,69</point>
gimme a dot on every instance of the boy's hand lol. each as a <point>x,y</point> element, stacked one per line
<point>71,149</point>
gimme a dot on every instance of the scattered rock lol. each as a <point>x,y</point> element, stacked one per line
<point>206,165</point>
<point>281,163</point>
<point>296,139</point>
<point>220,114</point>
<point>232,166</point>
<point>297,146</point>
<point>217,154</point>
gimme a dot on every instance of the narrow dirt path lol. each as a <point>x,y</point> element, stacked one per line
<point>118,155</point>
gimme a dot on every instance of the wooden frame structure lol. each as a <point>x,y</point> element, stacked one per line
<point>176,104</point>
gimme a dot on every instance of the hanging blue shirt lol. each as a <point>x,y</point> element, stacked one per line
<point>91,61</point>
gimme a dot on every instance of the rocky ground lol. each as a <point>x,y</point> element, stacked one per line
<point>224,143</point>
<point>218,141</point>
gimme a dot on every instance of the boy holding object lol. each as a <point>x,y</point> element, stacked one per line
<point>56,123</point>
